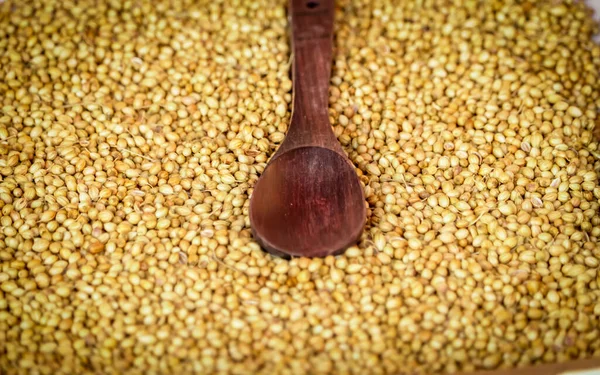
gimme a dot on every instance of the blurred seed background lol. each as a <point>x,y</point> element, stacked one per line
<point>132,133</point>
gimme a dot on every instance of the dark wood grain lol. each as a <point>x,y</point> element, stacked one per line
<point>309,201</point>
<point>312,44</point>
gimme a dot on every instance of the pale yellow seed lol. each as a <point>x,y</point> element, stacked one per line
<point>105,216</point>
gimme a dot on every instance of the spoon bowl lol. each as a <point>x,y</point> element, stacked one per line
<point>308,202</point>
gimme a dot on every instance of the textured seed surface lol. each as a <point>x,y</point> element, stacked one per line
<point>132,133</point>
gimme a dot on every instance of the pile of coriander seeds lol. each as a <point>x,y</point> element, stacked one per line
<point>132,133</point>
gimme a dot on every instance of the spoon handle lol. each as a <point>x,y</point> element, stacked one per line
<point>312,44</point>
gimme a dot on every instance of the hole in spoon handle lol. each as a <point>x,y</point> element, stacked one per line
<point>312,19</point>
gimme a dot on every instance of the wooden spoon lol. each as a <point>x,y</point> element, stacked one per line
<point>309,201</point>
